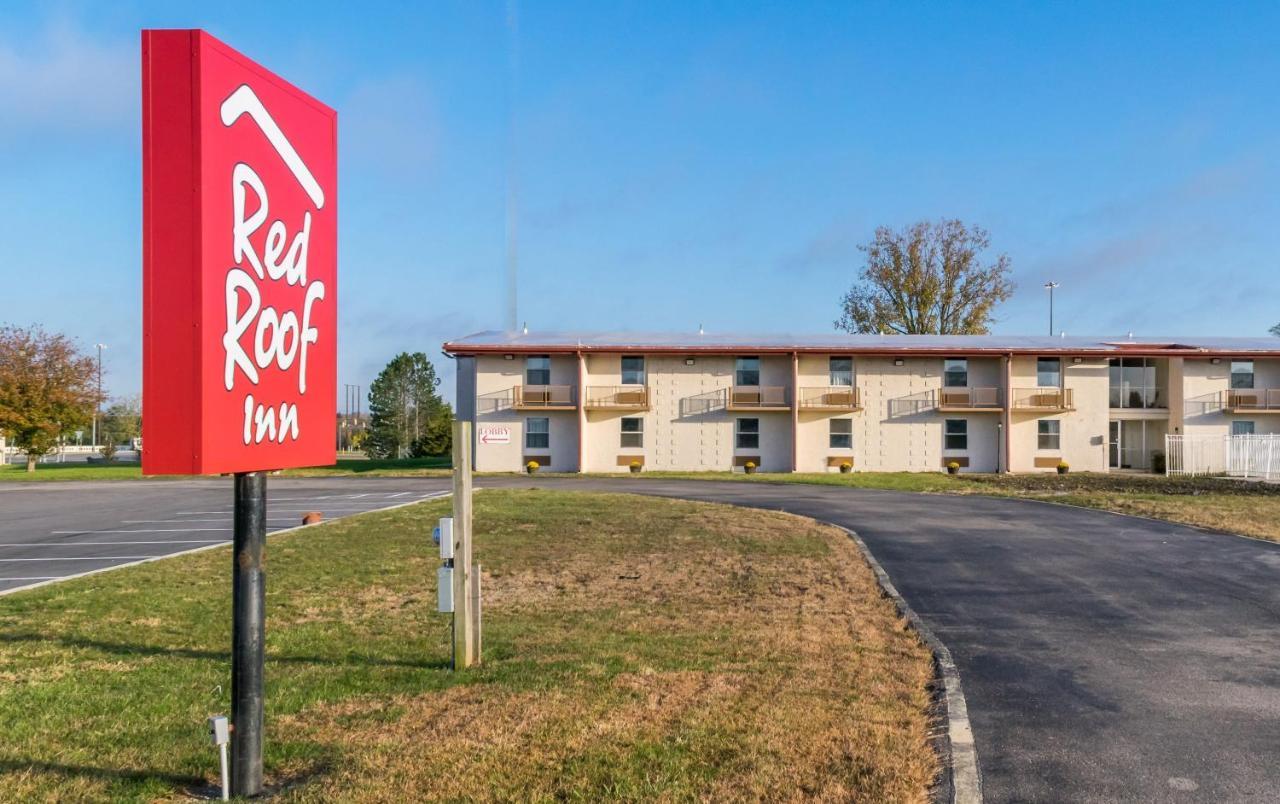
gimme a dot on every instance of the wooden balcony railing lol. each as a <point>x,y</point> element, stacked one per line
<point>1252,400</point>
<point>963,399</point>
<point>1044,399</point>
<point>617,397</point>
<point>544,397</point>
<point>835,397</point>
<point>759,397</point>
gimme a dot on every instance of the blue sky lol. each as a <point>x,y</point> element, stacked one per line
<point>684,163</point>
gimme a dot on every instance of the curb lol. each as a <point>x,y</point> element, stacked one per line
<point>961,781</point>
<point>202,549</point>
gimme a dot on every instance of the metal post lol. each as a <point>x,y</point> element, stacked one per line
<point>1051,286</point>
<point>248,632</point>
<point>97,403</point>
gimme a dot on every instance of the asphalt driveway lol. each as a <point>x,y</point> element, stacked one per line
<point>1104,658</point>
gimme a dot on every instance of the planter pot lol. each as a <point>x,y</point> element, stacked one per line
<point>531,469</point>
<point>635,470</point>
<point>953,470</point>
<point>751,470</point>
<point>844,470</point>
<point>1062,470</point>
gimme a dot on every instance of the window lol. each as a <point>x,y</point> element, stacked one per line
<point>1049,372</point>
<point>1049,435</point>
<point>841,434</point>
<point>537,433</point>
<point>1242,428</point>
<point>956,434</point>
<point>747,434</point>
<point>841,372</point>
<point>747,371</point>
<point>632,370</point>
<point>955,373</point>
<point>632,431</point>
<point>537,370</point>
<point>1242,374</point>
<point>1134,383</point>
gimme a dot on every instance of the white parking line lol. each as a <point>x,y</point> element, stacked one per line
<point>173,521</point>
<point>32,578</point>
<point>139,530</point>
<point>108,544</point>
<point>77,558</point>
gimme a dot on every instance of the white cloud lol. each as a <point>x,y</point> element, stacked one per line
<point>62,81</point>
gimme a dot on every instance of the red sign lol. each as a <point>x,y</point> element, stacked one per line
<point>239,263</point>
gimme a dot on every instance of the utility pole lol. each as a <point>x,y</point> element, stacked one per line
<point>1050,286</point>
<point>97,403</point>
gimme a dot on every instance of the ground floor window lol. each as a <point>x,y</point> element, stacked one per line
<point>956,434</point>
<point>1049,435</point>
<point>841,434</point>
<point>747,435</point>
<point>537,433</point>
<point>633,431</point>
<point>1242,428</point>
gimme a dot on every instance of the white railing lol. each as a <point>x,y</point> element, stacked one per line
<point>1254,457</point>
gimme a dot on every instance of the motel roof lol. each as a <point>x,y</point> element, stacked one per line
<point>572,342</point>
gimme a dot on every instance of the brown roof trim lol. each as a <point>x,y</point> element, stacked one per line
<point>1128,351</point>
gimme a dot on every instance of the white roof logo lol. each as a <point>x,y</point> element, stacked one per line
<point>243,101</point>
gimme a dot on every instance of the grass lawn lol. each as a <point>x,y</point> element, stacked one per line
<point>408,467</point>
<point>635,649</point>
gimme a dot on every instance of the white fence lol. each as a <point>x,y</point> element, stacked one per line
<point>1245,456</point>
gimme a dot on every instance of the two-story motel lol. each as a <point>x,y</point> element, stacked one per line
<point>601,402</point>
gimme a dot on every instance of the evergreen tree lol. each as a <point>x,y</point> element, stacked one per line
<point>403,406</point>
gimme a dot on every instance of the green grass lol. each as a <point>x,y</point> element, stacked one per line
<point>635,649</point>
<point>408,467</point>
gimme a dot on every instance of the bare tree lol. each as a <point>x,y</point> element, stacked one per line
<point>928,278</point>
<point>46,389</point>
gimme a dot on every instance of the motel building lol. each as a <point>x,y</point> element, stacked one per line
<point>599,402</point>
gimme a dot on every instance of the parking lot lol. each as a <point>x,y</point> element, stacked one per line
<point>47,534</point>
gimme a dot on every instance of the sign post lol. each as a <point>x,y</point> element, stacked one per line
<point>466,602</point>
<point>239,178</point>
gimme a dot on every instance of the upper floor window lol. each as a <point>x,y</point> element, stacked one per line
<point>955,373</point>
<point>1241,373</point>
<point>746,371</point>
<point>747,434</point>
<point>633,370</point>
<point>537,370</point>
<point>1134,383</point>
<point>841,372</point>
<point>1049,372</point>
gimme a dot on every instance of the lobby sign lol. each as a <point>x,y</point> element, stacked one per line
<point>239,263</point>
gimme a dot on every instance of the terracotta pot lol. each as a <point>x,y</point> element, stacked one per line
<point>312,518</point>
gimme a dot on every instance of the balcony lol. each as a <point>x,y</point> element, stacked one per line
<point>759,397</point>
<point>544,397</point>
<point>1043,400</point>
<point>1251,400</point>
<point>968,400</point>
<point>835,397</point>
<point>617,397</point>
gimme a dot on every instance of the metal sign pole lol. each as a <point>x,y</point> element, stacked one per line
<point>248,632</point>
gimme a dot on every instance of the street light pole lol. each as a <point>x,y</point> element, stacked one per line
<point>97,402</point>
<point>1050,286</point>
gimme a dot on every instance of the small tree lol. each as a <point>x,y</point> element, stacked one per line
<point>1275,330</point>
<point>926,279</point>
<point>403,402</point>
<point>120,424</point>
<point>46,389</point>
<point>438,438</point>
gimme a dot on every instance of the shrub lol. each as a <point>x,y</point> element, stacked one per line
<point>750,467</point>
<point>1157,463</point>
<point>1063,467</point>
<point>636,466</point>
<point>531,467</point>
<point>846,468</point>
<point>953,468</point>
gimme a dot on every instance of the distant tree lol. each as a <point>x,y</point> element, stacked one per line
<point>438,438</point>
<point>928,278</point>
<point>47,388</point>
<point>1275,330</point>
<point>119,424</point>
<point>403,403</point>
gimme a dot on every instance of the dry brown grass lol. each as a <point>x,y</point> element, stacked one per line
<point>692,652</point>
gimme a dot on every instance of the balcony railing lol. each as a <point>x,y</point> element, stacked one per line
<point>1043,399</point>
<point>1252,400</point>
<point>759,397</point>
<point>835,397</point>
<point>617,397</point>
<point>544,397</point>
<point>959,399</point>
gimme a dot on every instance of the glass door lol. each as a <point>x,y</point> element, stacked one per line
<point>1113,441</point>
